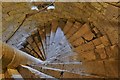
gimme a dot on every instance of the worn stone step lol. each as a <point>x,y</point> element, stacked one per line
<point>62,23</point>
<point>32,73</point>
<point>80,32</point>
<point>100,53</point>
<point>78,42</point>
<point>85,47</point>
<point>54,26</point>
<point>77,57</point>
<point>58,73</point>
<point>41,37</point>
<point>35,47</point>
<point>74,67</point>
<point>39,44</point>
<point>73,29</point>
<point>68,26</point>
<point>88,35</point>
<point>30,51</point>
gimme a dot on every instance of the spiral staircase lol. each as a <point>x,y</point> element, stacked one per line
<point>67,48</point>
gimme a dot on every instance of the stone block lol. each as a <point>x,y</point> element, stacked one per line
<point>94,67</point>
<point>73,38</point>
<point>85,47</point>
<point>101,52</point>
<point>95,30</point>
<point>105,41</point>
<point>100,46</point>
<point>84,29</point>
<point>88,46</point>
<point>34,54</point>
<point>73,30</point>
<point>53,72</point>
<point>26,49</point>
<point>97,41</point>
<point>88,55</point>
<point>74,58</point>
<point>78,42</point>
<point>28,46</point>
<point>70,75</point>
<point>111,67</point>
<point>88,36</point>
<point>79,49</point>
<point>115,51</point>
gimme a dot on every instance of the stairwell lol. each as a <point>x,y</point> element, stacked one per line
<point>62,48</point>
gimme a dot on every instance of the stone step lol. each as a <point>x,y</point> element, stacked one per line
<point>104,68</point>
<point>30,51</point>
<point>85,47</point>
<point>78,42</point>
<point>102,41</point>
<point>68,26</point>
<point>35,47</point>
<point>37,40</point>
<point>39,45</point>
<point>54,25</point>
<point>62,23</point>
<point>75,67</point>
<point>80,32</point>
<point>73,29</point>
<point>58,73</point>
<point>41,38</point>
<point>32,73</point>
<point>84,56</point>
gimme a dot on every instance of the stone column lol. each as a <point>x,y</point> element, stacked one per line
<point>12,58</point>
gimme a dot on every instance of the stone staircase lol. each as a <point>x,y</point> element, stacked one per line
<point>69,49</point>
